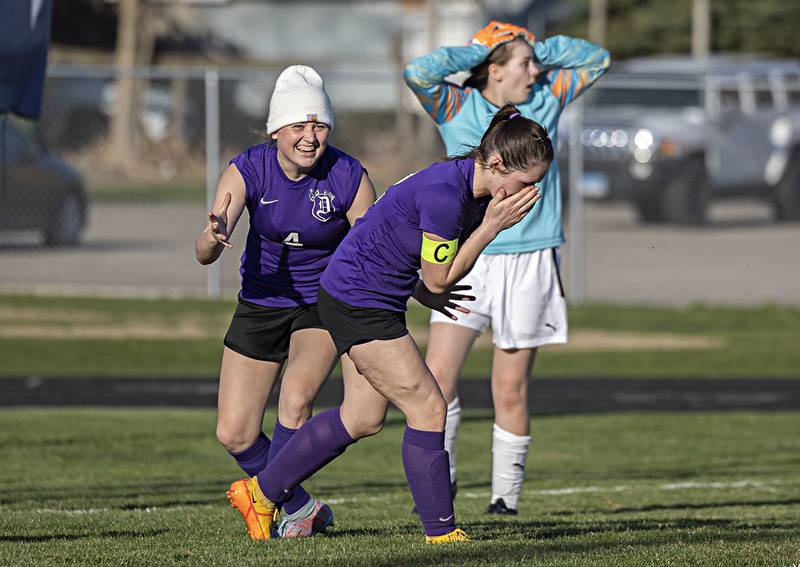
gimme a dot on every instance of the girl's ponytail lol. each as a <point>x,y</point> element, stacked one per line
<point>519,141</point>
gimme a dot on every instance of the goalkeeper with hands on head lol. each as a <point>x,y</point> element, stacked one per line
<point>516,279</point>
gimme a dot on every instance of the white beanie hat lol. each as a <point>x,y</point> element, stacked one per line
<point>299,96</point>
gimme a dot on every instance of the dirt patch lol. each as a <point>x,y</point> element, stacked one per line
<point>128,331</point>
<point>182,330</point>
<point>610,341</point>
<point>44,324</point>
<point>614,341</point>
<point>76,324</point>
<point>24,315</point>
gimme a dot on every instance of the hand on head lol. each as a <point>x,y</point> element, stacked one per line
<point>497,33</point>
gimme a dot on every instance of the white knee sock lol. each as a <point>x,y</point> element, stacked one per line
<point>450,433</point>
<point>508,465</point>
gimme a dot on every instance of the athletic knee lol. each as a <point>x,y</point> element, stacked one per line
<point>430,413</point>
<point>294,408</point>
<point>510,397</point>
<point>360,424</point>
<point>235,439</point>
<point>438,408</point>
<point>366,427</point>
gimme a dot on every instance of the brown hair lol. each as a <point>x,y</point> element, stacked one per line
<point>520,142</point>
<point>479,74</point>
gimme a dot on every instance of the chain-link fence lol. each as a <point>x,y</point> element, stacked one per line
<point>125,167</point>
<point>115,176</point>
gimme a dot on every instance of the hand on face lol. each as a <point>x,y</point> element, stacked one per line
<point>504,211</point>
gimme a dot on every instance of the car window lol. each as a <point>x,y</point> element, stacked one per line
<point>14,144</point>
<point>763,96</point>
<point>729,99</point>
<point>792,86</point>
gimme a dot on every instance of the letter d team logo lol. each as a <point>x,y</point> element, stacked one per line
<point>323,206</point>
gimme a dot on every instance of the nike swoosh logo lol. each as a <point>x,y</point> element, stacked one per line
<point>551,326</point>
<point>263,202</point>
<point>447,518</point>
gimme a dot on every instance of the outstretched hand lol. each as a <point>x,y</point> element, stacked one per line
<point>443,302</point>
<point>218,223</point>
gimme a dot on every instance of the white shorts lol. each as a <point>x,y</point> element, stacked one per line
<point>520,295</point>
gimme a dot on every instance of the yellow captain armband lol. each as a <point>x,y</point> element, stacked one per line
<point>437,251</point>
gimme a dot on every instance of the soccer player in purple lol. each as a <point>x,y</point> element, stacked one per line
<point>302,196</point>
<point>438,221</point>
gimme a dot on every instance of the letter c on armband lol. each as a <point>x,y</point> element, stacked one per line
<point>438,252</point>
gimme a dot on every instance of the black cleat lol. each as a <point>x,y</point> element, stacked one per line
<point>499,507</point>
<point>453,491</point>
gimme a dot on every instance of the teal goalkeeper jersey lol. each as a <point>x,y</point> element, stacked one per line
<point>462,115</point>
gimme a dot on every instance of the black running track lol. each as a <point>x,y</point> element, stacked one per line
<point>548,396</point>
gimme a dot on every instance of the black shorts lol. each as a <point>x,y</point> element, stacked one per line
<point>349,325</point>
<point>263,333</point>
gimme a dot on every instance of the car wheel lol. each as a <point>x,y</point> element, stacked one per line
<point>649,207</point>
<point>64,228</point>
<point>786,194</point>
<point>682,199</point>
<point>687,195</point>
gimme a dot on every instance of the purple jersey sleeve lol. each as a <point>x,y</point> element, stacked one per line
<point>441,211</point>
<point>252,165</point>
<point>354,170</point>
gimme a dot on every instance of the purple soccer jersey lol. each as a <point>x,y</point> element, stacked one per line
<point>295,226</point>
<point>378,262</point>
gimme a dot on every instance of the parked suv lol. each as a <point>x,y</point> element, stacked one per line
<point>669,134</point>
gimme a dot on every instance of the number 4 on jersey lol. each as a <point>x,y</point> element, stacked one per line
<point>293,239</point>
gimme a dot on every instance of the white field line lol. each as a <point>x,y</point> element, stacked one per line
<point>762,485</point>
<point>92,511</point>
<point>689,485</point>
<point>757,484</point>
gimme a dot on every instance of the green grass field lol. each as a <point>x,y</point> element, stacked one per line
<point>146,487</point>
<point>61,336</point>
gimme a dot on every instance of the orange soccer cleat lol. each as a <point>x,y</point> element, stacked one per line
<point>259,513</point>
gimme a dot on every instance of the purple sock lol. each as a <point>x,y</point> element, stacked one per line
<point>298,497</point>
<point>428,472</point>
<point>254,459</point>
<point>320,440</point>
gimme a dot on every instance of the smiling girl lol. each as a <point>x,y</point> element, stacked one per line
<point>302,195</point>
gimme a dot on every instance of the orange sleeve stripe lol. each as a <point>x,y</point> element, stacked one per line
<point>566,82</point>
<point>455,100</point>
